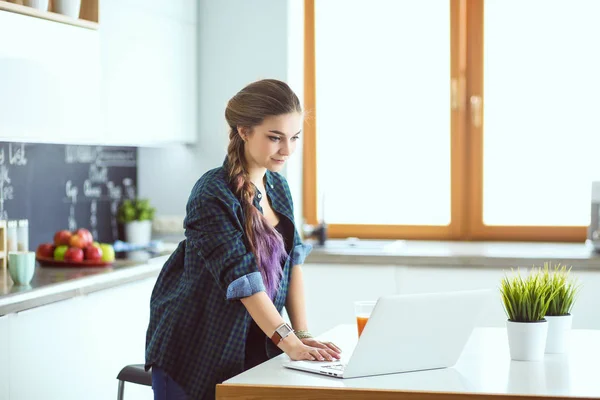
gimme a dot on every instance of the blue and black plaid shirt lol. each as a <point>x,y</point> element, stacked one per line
<point>198,328</point>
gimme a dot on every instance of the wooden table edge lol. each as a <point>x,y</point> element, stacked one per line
<point>271,392</point>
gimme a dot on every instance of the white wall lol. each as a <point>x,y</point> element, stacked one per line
<point>238,42</point>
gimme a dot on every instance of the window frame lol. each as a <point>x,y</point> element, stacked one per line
<point>466,80</point>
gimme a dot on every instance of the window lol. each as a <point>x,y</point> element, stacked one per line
<point>424,126</point>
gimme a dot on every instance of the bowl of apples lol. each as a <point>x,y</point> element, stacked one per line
<point>75,249</point>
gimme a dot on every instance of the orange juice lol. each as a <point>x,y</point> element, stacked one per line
<point>361,322</point>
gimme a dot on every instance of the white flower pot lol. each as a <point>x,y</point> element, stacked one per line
<point>138,232</point>
<point>69,8</point>
<point>37,4</point>
<point>559,333</point>
<point>527,340</point>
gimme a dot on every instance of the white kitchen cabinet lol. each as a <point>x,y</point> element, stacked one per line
<point>148,57</point>
<point>49,81</point>
<point>46,353</point>
<point>114,327</point>
<point>424,279</point>
<point>332,289</point>
<point>74,349</point>
<point>4,359</point>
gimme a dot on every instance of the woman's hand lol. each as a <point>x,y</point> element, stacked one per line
<point>297,350</point>
<point>331,349</point>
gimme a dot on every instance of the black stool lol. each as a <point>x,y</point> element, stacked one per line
<point>133,373</point>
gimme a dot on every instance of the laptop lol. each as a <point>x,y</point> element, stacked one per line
<point>412,332</point>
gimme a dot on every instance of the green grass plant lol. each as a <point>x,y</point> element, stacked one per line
<point>526,299</point>
<point>559,281</point>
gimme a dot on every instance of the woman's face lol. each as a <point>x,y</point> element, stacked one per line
<point>271,143</point>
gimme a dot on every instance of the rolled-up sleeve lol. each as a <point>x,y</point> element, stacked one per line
<point>245,286</point>
<point>216,235</point>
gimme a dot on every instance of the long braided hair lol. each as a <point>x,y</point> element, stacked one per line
<point>248,108</point>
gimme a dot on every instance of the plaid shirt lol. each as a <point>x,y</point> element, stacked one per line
<point>197,331</point>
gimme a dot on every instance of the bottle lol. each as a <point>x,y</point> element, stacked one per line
<point>11,235</point>
<point>23,235</point>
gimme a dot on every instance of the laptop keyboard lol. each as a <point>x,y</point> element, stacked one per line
<point>336,367</point>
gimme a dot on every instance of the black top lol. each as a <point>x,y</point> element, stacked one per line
<point>256,351</point>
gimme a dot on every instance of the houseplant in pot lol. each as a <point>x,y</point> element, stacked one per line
<point>136,215</point>
<point>558,315</point>
<point>525,301</point>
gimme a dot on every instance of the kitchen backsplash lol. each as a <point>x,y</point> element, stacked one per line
<point>57,186</point>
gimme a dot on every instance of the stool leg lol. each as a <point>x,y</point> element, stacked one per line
<point>121,390</point>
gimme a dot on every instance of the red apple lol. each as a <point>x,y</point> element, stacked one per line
<point>85,235</point>
<point>92,253</point>
<point>74,254</point>
<point>45,250</point>
<point>78,241</point>
<point>62,238</point>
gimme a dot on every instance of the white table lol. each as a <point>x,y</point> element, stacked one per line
<point>484,371</point>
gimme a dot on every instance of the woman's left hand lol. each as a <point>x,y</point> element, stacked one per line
<point>331,349</point>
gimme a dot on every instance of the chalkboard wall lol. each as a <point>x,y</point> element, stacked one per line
<point>66,187</point>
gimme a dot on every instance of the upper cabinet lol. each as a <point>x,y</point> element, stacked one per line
<point>148,57</point>
<point>124,75</point>
<point>49,76</point>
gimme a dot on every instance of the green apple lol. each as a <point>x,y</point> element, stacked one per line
<point>59,252</point>
<point>96,244</point>
<point>108,252</point>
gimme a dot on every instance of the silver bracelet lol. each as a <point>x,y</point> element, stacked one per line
<point>303,334</point>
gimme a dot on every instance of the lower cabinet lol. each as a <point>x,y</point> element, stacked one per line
<point>4,357</point>
<point>74,349</point>
<point>331,290</point>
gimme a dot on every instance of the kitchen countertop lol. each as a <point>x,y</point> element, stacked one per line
<point>54,284</point>
<point>453,254</point>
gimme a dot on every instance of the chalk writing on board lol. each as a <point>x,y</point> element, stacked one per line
<point>71,192</point>
<point>82,185</point>
<point>129,188</point>
<point>94,218</point>
<point>114,192</point>
<point>101,156</point>
<point>16,156</point>
<point>100,160</point>
<point>117,158</point>
<point>6,190</point>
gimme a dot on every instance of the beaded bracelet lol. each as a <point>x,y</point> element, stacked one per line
<point>303,334</point>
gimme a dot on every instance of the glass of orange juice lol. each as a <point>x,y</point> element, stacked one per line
<point>362,310</point>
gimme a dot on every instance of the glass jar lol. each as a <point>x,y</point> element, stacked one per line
<point>23,235</point>
<point>11,235</point>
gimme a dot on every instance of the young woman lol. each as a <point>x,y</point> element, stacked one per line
<point>216,307</point>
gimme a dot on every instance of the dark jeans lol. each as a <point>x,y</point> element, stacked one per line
<point>164,387</point>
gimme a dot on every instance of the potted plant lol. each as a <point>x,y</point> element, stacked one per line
<point>558,315</point>
<point>136,215</point>
<point>525,301</point>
